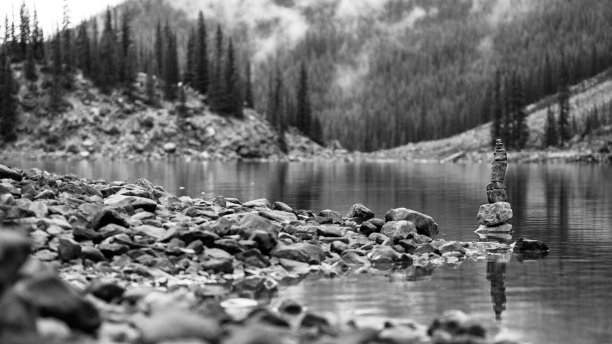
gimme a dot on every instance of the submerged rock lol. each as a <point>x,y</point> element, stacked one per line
<point>525,245</point>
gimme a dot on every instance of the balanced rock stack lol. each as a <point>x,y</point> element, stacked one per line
<point>494,217</point>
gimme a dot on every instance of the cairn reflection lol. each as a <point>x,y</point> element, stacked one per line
<point>496,269</point>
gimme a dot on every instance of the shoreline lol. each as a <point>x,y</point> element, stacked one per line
<point>522,157</point>
<point>139,264</point>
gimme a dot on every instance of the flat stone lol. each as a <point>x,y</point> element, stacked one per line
<point>92,253</point>
<point>494,214</point>
<point>282,207</point>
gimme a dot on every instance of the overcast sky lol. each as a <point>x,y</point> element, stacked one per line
<point>50,11</point>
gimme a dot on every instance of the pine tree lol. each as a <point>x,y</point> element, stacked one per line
<point>564,105</point>
<point>83,47</point>
<point>304,112</point>
<point>127,54</point>
<point>108,65</point>
<point>171,68</point>
<point>233,104</point>
<point>552,136</point>
<point>496,126</point>
<point>507,120</point>
<point>216,83</point>
<point>201,66</point>
<point>8,103</point>
<point>95,53</point>
<point>159,50</point>
<point>248,97</point>
<point>24,29</point>
<point>276,111</point>
<point>67,51</point>
<point>189,74</point>
<point>37,39</point>
<point>56,91</point>
<point>29,67</point>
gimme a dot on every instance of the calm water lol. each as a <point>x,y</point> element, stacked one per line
<point>564,298</point>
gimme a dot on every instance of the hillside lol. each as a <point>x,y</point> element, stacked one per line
<point>94,125</point>
<point>594,93</point>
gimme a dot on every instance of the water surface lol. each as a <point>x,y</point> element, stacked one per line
<point>564,298</point>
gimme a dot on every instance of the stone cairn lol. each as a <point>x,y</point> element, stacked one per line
<point>494,217</point>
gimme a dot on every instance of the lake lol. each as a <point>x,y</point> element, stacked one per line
<point>564,298</point>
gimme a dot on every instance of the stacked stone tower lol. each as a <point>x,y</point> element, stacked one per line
<point>494,216</point>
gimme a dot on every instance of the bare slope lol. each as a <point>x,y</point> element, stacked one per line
<point>585,96</point>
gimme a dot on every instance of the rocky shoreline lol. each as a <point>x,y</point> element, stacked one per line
<point>91,261</point>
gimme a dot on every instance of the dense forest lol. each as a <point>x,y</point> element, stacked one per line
<point>412,70</point>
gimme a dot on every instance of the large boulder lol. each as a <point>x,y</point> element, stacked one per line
<point>425,224</point>
<point>494,214</point>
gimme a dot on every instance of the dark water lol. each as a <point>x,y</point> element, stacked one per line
<point>564,298</point>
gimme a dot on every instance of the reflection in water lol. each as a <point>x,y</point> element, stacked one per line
<point>495,274</point>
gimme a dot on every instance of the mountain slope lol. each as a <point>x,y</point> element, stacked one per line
<point>594,93</point>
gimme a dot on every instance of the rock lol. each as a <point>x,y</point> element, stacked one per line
<point>108,216</point>
<point>68,249</point>
<point>302,252</point>
<point>498,171</point>
<point>224,265</point>
<point>505,228</point>
<point>254,258</point>
<point>92,253</point>
<point>52,297</point>
<point>333,216</point>
<point>360,211</point>
<point>45,194</point>
<point>457,323</point>
<point>282,207</point>
<point>384,255</point>
<point>258,203</point>
<point>496,192</point>
<point>494,214</point>
<point>111,250</point>
<point>266,241</point>
<point>378,238</point>
<point>170,147</point>
<point>329,231</point>
<point>425,225</point>
<point>14,251</point>
<point>106,291</point>
<point>398,230</point>
<point>86,234</point>
<point>368,228</point>
<point>352,257</point>
<point>452,246</point>
<point>18,317</point>
<point>8,173</point>
<point>175,324</point>
<point>251,222</point>
<point>525,245</point>
<point>339,247</point>
<point>135,202</point>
